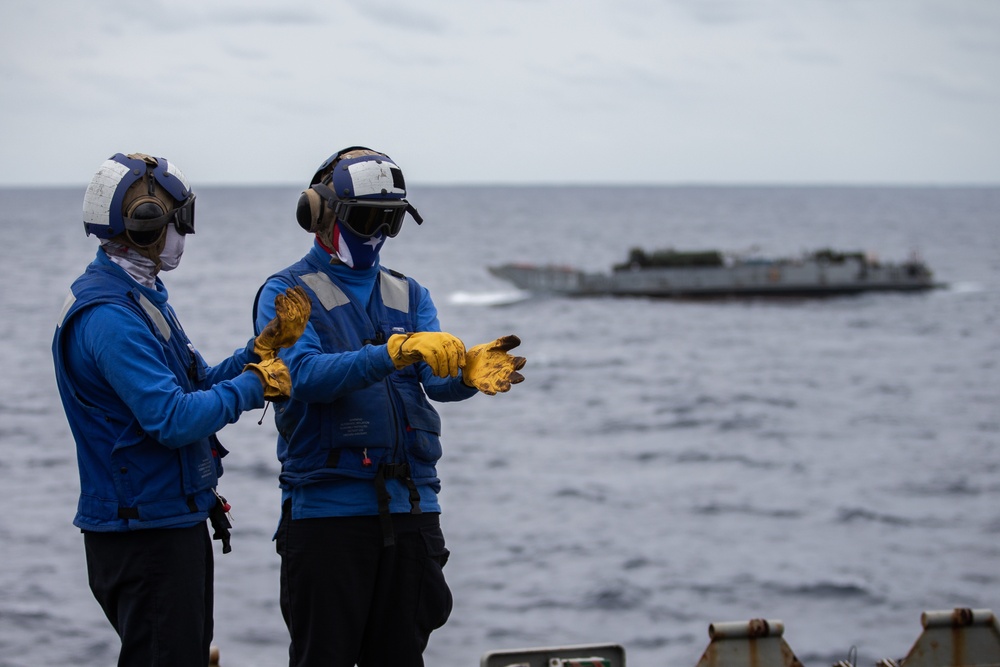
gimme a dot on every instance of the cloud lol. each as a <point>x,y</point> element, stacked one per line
<point>400,15</point>
<point>698,90</point>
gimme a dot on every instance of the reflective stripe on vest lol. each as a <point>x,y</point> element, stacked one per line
<point>395,291</point>
<point>70,300</point>
<point>329,295</point>
<point>157,317</point>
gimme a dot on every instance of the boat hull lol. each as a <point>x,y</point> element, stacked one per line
<point>775,278</point>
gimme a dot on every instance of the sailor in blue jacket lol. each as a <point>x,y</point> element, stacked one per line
<point>359,538</point>
<point>144,407</point>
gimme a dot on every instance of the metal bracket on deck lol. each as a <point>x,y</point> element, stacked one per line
<point>754,643</point>
<point>958,638</point>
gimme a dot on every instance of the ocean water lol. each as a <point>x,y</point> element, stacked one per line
<point>833,464</point>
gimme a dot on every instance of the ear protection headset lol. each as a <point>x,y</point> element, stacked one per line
<point>318,204</point>
<point>315,207</point>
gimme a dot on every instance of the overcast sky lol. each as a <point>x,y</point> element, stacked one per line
<point>507,91</point>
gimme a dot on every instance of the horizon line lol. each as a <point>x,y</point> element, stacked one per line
<point>582,184</point>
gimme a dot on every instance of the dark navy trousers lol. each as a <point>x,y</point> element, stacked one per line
<point>349,600</point>
<point>156,588</point>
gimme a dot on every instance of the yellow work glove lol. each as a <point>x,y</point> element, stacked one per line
<point>273,374</point>
<point>444,353</point>
<point>292,311</point>
<point>490,369</point>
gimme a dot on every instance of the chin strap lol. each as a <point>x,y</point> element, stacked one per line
<point>413,212</point>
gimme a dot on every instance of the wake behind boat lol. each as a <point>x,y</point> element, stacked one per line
<point>710,273</point>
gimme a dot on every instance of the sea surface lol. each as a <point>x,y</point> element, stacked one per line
<point>833,463</point>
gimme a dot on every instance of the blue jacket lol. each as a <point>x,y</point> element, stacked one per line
<point>350,408</point>
<point>142,404</point>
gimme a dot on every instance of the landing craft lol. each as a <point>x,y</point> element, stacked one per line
<point>710,273</point>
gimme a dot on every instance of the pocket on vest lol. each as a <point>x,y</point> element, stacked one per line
<point>424,424</point>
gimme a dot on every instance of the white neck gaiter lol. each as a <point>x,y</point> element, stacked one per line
<point>140,268</point>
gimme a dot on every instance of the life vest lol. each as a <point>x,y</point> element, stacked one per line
<point>387,428</point>
<point>129,480</point>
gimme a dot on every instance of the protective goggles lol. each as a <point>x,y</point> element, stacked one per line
<point>149,217</point>
<point>368,218</point>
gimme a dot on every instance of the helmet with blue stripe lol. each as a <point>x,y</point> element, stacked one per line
<point>362,189</point>
<point>137,195</point>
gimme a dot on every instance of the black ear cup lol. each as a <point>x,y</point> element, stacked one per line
<point>308,210</point>
<point>148,210</point>
<point>145,208</point>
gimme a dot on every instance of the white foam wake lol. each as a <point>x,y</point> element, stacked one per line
<point>488,298</point>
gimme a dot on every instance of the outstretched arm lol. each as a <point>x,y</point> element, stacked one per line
<point>131,360</point>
